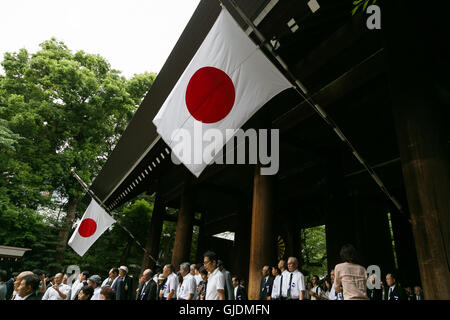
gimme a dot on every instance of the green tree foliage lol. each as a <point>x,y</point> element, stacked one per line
<point>314,251</point>
<point>58,110</point>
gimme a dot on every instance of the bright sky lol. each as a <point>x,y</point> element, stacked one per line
<point>133,35</point>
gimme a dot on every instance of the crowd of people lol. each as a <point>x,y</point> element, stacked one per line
<point>209,281</point>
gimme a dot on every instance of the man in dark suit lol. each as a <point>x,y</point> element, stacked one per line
<point>265,288</point>
<point>28,287</point>
<point>418,294</point>
<point>229,293</point>
<point>10,285</point>
<point>147,289</point>
<point>239,290</point>
<point>393,289</point>
<point>124,285</point>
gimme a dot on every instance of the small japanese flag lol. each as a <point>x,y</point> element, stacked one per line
<point>94,222</point>
<point>227,81</point>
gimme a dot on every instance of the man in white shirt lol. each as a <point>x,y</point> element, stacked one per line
<point>333,295</point>
<point>216,281</point>
<point>197,278</point>
<point>276,289</point>
<point>284,279</point>
<point>195,271</point>
<point>58,291</point>
<point>78,284</point>
<point>95,283</point>
<point>112,275</point>
<point>170,287</point>
<point>157,273</point>
<point>315,291</point>
<point>188,287</point>
<point>293,286</point>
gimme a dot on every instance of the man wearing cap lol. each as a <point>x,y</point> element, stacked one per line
<point>58,291</point>
<point>124,284</point>
<point>95,283</point>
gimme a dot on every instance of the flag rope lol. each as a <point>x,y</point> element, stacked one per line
<point>303,92</point>
<point>93,195</point>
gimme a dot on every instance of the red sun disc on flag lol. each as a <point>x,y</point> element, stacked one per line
<point>87,228</point>
<point>210,95</point>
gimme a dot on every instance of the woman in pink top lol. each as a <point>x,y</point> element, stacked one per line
<point>351,275</point>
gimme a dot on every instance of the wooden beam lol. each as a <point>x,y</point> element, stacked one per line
<point>343,38</point>
<point>174,218</point>
<point>346,83</point>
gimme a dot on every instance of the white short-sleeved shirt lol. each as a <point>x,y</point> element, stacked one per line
<point>75,287</point>
<point>297,284</point>
<point>197,278</point>
<point>96,295</point>
<point>171,284</point>
<point>333,296</point>
<point>187,287</point>
<point>216,281</point>
<point>52,294</point>
<point>276,287</point>
<point>317,291</point>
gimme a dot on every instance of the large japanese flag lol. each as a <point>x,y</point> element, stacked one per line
<point>95,221</point>
<point>226,82</point>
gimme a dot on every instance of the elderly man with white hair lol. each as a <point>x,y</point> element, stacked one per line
<point>293,288</point>
<point>188,286</point>
<point>147,289</point>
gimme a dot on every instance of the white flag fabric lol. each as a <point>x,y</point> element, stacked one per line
<point>227,81</point>
<point>94,222</point>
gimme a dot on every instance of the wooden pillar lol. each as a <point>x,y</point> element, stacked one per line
<point>408,268</point>
<point>262,243</point>
<point>154,236</point>
<point>417,73</point>
<point>183,235</point>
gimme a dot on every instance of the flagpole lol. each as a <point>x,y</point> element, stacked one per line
<point>303,92</point>
<point>93,195</point>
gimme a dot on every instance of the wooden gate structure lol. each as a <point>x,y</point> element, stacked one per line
<point>387,90</point>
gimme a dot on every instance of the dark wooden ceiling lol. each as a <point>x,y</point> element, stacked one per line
<point>343,65</point>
